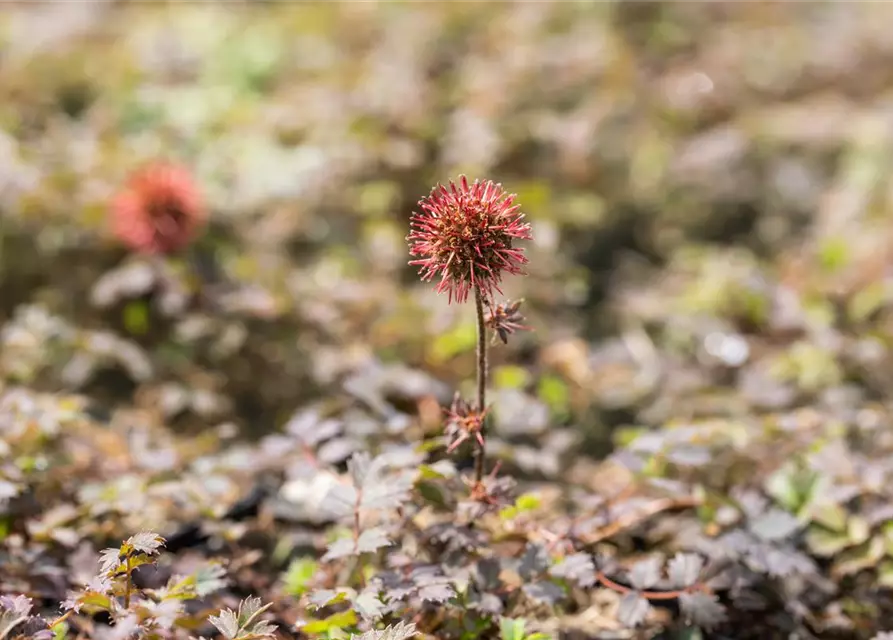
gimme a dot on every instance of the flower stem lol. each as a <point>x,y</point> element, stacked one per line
<point>482,381</point>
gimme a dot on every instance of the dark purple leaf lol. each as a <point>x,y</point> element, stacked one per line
<point>372,540</point>
<point>341,548</point>
<point>577,567</point>
<point>323,597</point>
<point>436,592</point>
<point>338,449</point>
<point>689,455</point>
<point>368,605</point>
<point>545,592</point>
<point>775,524</point>
<point>684,570</point>
<point>646,573</point>
<point>701,609</point>
<point>632,610</point>
<point>534,561</point>
<point>484,602</point>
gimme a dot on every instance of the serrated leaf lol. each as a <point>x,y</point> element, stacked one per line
<point>646,573</point>
<point>701,609</point>
<point>146,542</point>
<point>374,488</point>
<point>205,580</point>
<point>399,631</point>
<point>340,501</point>
<point>372,540</point>
<point>386,492</point>
<point>325,597</point>
<point>577,567</point>
<point>484,602</point>
<point>436,592</point>
<point>19,605</point>
<point>368,605</point>
<point>227,623</point>
<point>632,610</point>
<point>249,610</point>
<point>684,570</point>
<point>774,525</point>
<point>109,561</point>
<point>544,591</point>
<point>340,548</point>
<point>209,578</point>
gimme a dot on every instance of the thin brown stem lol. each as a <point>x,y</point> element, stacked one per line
<point>65,616</point>
<point>482,382</point>
<point>356,538</point>
<point>127,586</point>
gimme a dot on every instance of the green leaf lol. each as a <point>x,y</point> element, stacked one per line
<point>858,530</point>
<point>461,339</point>
<point>834,253</point>
<point>298,575</point>
<point>854,560</point>
<point>510,377</point>
<point>432,493</point>
<point>887,536</point>
<point>824,542</point>
<point>868,300</point>
<point>136,317</point>
<point>525,502</point>
<point>829,515</point>
<point>885,574</point>
<point>93,600</point>
<point>427,472</point>
<point>554,392</point>
<point>60,631</point>
<point>338,620</point>
<point>512,629</point>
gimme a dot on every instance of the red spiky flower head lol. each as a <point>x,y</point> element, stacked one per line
<point>160,209</point>
<point>464,234</point>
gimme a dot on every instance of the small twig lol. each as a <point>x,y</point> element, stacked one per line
<point>13,625</point>
<point>648,595</point>
<point>61,618</point>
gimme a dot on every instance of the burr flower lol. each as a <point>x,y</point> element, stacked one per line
<point>159,211</point>
<point>465,235</point>
<point>504,319</point>
<point>463,423</point>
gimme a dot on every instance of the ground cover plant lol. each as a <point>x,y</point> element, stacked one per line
<point>445,320</point>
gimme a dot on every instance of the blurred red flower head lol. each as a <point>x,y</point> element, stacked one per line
<point>160,210</point>
<point>464,234</point>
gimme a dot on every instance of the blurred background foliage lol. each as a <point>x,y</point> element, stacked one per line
<point>675,159</point>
